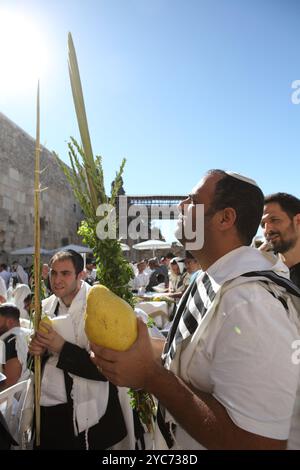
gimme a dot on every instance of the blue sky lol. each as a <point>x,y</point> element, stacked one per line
<point>175,86</point>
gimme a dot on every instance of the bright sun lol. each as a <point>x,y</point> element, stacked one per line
<point>23,53</point>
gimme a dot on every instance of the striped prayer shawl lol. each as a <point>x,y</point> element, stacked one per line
<point>187,320</point>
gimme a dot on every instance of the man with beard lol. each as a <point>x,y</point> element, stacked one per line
<point>281,227</point>
<point>226,379</point>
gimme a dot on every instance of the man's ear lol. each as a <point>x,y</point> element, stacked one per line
<point>227,218</point>
<point>297,220</point>
<point>82,275</point>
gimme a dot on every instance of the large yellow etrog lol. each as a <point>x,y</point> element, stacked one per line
<point>110,321</point>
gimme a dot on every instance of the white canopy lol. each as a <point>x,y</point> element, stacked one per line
<point>124,247</point>
<point>152,245</point>
<point>29,250</point>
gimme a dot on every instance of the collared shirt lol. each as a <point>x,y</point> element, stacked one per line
<point>141,280</point>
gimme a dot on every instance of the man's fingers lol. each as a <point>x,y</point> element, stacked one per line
<point>36,342</point>
<point>142,328</point>
<point>46,325</point>
<point>108,369</point>
<point>102,363</point>
<point>42,339</point>
<point>104,353</point>
<point>45,335</point>
<point>36,350</point>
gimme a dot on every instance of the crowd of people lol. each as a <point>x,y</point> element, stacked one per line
<point>171,273</point>
<point>230,349</point>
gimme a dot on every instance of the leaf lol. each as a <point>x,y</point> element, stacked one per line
<point>81,116</point>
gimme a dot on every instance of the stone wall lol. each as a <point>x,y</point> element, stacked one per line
<point>60,212</point>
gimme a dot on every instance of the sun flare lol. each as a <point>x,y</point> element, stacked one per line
<point>23,52</point>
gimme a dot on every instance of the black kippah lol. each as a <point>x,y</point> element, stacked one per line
<point>80,262</point>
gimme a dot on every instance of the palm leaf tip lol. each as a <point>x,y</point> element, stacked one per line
<point>82,119</point>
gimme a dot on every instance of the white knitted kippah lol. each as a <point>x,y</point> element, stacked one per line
<point>241,177</point>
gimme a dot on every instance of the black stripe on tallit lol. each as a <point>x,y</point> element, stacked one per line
<point>180,309</point>
<point>163,427</point>
<point>208,287</point>
<point>281,281</point>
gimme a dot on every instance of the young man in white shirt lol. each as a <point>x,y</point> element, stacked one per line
<point>228,379</point>
<point>141,279</point>
<point>80,409</point>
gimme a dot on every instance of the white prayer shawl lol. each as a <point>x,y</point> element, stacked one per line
<point>19,295</point>
<point>222,281</point>
<point>21,335</point>
<point>90,397</point>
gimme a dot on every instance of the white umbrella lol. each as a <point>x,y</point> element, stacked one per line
<point>29,250</point>
<point>77,248</point>
<point>124,247</point>
<point>152,245</point>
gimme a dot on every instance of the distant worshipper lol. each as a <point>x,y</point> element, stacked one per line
<point>179,277</point>
<point>46,280</point>
<point>141,280</point>
<point>91,272</point>
<point>22,299</point>
<point>13,346</point>
<point>19,273</point>
<point>157,274</point>
<point>5,274</point>
<point>167,258</point>
<point>191,265</point>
